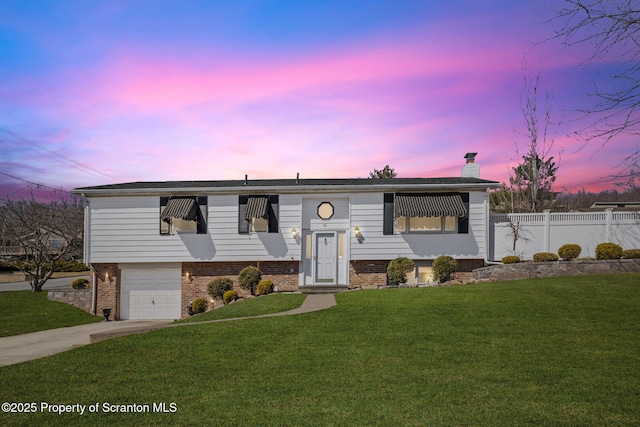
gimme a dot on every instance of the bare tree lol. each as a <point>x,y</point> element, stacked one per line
<point>534,176</point>
<point>40,235</point>
<point>612,28</point>
<point>386,172</point>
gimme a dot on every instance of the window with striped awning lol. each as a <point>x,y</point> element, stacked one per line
<point>429,205</point>
<point>183,214</point>
<point>257,207</point>
<point>184,208</point>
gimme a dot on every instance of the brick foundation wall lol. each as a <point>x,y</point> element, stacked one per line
<point>367,274</point>
<point>468,265</point>
<point>283,274</point>
<point>107,290</point>
<point>372,274</point>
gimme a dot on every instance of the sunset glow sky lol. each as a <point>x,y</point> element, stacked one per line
<point>99,92</point>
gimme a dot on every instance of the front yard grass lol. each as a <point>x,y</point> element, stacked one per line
<point>558,351</point>
<point>266,304</point>
<point>22,312</point>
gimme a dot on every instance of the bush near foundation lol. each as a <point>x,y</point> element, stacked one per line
<point>608,251</point>
<point>217,287</point>
<point>443,266</point>
<point>199,305</point>
<point>397,270</point>
<point>569,251</point>
<point>264,287</point>
<point>249,278</point>
<point>511,259</point>
<point>80,284</point>
<point>544,257</point>
<point>631,254</point>
<point>229,297</point>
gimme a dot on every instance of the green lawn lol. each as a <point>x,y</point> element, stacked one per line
<point>267,304</point>
<point>22,312</point>
<point>563,351</point>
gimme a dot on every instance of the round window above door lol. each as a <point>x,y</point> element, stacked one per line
<point>325,210</point>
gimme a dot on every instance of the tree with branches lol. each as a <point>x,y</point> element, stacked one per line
<point>612,29</point>
<point>41,234</point>
<point>386,172</point>
<point>533,177</point>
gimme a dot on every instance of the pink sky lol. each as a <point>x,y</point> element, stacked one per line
<point>126,91</point>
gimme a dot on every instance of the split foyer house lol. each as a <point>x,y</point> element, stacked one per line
<point>154,246</point>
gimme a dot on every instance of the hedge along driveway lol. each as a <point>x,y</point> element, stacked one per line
<point>532,352</point>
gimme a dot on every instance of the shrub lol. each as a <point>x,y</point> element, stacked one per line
<point>229,296</point>
<point>397,270</point>
<point>511,259</point>
<point>199,305</point>
<point>569,251</point>
<point>264,287</point>
<point>249,278</point>
<point>217,287</point>
<point>631,254</point>
<point>80,284</point>
<point>544,257</point>
<point>443,266</point>
<point>608,251</point>
<point>69,266</point>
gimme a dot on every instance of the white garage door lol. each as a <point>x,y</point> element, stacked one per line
<point>150,292</point>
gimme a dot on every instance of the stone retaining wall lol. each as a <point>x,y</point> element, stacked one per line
<point>76,297</point>
<point>526,270</point>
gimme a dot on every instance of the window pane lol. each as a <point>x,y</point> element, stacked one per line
<point>183,225</point>
<point>307,246</point>
<point>341,245</point>
<point>259,224</point>
<point>401,224</point>
<point>425,274</point>
<point>450,223</point>
<point>422,223</point>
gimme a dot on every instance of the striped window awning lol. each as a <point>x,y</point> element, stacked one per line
<point>257,207</point>
<point>180,207</point>
<point>429,205</point>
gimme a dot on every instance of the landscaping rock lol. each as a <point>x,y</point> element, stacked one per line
<point>527,270</point>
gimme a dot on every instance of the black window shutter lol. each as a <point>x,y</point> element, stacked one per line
<point>273,214</point>
<point>202,214</point>
<point>164,226</point>
<point>387,227</point>
<point>243,224</point>
<point>463,223</point>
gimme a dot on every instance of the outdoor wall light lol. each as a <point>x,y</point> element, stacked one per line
<point>294,233</point>
<point>356,232</point>
<point>107,277</point>
<point>189,276</point>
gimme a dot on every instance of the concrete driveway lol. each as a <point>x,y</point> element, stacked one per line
<point>22,348</point>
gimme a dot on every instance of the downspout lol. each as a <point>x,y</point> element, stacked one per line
<point>94,289</point>
<point>86,256</point>
<point>487,212</point>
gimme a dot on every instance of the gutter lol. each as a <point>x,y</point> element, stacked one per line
<point>299,189</point>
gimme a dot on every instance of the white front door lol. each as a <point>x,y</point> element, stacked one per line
<point>325,257</point>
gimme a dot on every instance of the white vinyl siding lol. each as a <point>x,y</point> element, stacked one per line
<point>126,229</point>
<point>367,215</point>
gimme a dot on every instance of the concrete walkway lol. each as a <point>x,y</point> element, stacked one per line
<point>22,348</point>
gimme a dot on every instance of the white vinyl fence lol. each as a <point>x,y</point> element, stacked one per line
<point>547,231</point>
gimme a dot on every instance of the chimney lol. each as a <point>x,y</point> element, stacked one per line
<point>471,169</point>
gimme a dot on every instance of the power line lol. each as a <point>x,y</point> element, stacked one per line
<point>12,137</point>
<point>32,183</point>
